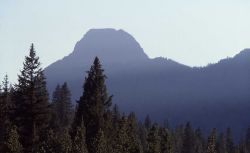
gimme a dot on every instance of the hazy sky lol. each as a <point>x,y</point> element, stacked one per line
<point>192,32</point>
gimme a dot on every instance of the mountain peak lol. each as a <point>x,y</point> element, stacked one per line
<point>104,31</point>
<point>110,45</point>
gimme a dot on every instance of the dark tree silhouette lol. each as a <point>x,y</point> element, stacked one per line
<point>31,100</point>
<point>5,102</point>
<point>62,107</point>
<point>93,104</point>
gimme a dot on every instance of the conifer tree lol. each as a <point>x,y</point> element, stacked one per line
<point>66,106</point>
<point>178,139</point>
<point>166,141</point>
<point>109,130</point>
<point>121,139</point>
<point>11,143</point>
<point>116,116</point>
<point>5,101</point>
<point>134,145</point>
<point>188,140</point>
<point>199,144</point>
<point>143,136</point>
<point>54,121</point>
<point>229,141</point>
<point>211,143</point>
<point>93,103</point>
<point>221,146</point>
<point>153,140</point>
<point>48,142</point>
<point>4,108</point>
<point>78,141</point>
<point>62,106</point>
<point>100,143</point>
<point>31,101</point>
<point>65,143</point>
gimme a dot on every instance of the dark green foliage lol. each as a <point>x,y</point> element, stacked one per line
<point>95,128</point>
<point>199,142</point>
<point>121,138</point>
<point>11,143</point>
<point>143,136</point>
<point>93,104</point>
<point>134,143</point>
<point>54,121</point>
<point>188,139</point>
<point>31,100</point>
<point>65,144</point>
<point>221,145</point>
<point>211,143</point>
<point>5,102</point>
<point>100,143</point>
<point>52,142</point>
<point>178,139</point>
<point>78,141</point>
<point>116,116</point>
<point>62,107</point>
<point>66,108</point>
<point>229,141</point>
<point>109,130</point>
<point>48,142</point>
<point>166,141</point>
<point>153,140</point>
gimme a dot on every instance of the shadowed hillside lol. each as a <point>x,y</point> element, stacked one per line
<point>217,95</point>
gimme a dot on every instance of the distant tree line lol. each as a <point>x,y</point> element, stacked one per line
<point>29,123</point>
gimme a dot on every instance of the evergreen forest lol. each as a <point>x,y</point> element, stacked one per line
<point>31,122</point>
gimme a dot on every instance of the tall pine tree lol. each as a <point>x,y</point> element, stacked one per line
<point>134,143</point>
<point>5,101</point>
<point>62,107</point>
<point>166,141</point>
<point>153,140</point>
<point>188,140</point>
<point>211,143</point>
<point>93,104</point>
<point>31,101</point>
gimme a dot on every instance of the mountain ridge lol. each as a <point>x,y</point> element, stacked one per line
<point>160,86</point>
<point>245,53</point>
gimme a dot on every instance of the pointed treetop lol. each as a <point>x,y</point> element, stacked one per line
<point>97,68</point>
<point>32,51</point>
<point>96,61</point>
<point>31,68</point>
<point>32,56</point>
<point>5,84</point>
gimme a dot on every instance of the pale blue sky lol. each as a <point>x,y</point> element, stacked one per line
<point>192,32</point>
